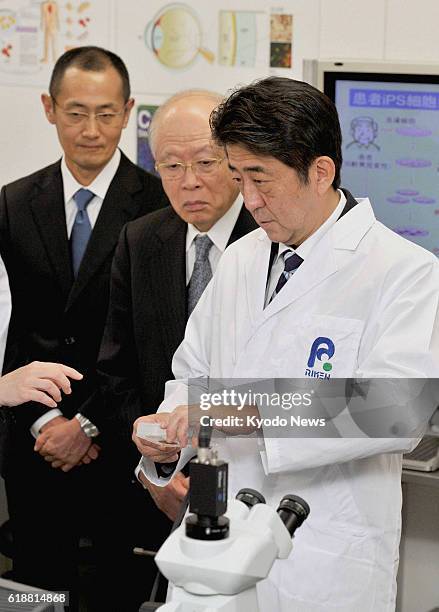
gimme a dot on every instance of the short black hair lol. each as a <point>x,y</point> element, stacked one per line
<point>95,59</point>
<point>281,118</point>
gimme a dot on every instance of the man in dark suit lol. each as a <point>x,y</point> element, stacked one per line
<point>159,272</point>
<point>58,231</point>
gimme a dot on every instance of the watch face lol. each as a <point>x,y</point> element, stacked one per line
<point>91,431</point>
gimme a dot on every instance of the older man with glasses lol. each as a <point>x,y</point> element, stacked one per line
<point>58,231</point>
<point>162,264</point>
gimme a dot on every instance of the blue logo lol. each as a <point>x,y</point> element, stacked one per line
<point>320,347</point>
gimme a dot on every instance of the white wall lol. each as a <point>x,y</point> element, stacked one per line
<point>418,587</point>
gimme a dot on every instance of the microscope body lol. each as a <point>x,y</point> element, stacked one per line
<point>222,574</point>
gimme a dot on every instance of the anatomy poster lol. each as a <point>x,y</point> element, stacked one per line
<point>212,45</point>
<point>33,34</point>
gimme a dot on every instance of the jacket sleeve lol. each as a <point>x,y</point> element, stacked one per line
<point>191,361</point>
<point>118,384</point>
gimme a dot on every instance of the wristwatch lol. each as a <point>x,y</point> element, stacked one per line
<point>90,430</point>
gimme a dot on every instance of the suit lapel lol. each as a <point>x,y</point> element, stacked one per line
<point>168,273</point>
<point>350,202</point>
<point>117,209</point>
<point>49,215</point>
<point>244,224</point>
<point>256,271</point>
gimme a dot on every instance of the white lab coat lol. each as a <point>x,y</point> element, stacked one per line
<point>376,296</point>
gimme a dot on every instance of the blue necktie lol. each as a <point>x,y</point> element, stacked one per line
<point>202,272</point>
<point>291,262</point>
<point>81,229</point>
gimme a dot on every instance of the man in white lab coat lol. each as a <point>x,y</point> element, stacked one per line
<point>356,300</point>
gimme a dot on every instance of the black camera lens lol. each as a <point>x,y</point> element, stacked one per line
<point>250,497</point>
<point>293,510</point>
<point>207,527</point>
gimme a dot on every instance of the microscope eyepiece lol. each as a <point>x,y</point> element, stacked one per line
<point>293,510</point>
<point>250,497</point>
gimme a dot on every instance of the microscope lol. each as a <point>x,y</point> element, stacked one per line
<point>214,560</point>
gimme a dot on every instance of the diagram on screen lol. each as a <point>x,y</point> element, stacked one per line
<point>364,131</point>
<point>392,155</point>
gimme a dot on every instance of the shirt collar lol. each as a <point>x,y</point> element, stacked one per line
<point>306,247</point>
<point>221,231</point>
<point>99,186</point>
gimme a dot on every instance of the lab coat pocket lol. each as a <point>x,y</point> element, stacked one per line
<point>326,346</point>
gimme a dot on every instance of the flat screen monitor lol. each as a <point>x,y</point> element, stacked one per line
<point>389,117</point>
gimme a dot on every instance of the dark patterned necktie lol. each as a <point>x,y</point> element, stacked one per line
<point>81,229</point>
<point>291,262</point>
<point>202,272</point>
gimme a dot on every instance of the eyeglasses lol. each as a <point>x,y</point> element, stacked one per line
<point>75,118</point>
<point>175,170</point>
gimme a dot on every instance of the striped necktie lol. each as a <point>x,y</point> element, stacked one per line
<point>291,262</point>
<point>202,272</point>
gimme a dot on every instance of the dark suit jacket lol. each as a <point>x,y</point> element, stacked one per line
<point>147,316</point>
<point>54,317</point>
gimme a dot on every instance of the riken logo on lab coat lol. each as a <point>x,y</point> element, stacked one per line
<point>320,347</point>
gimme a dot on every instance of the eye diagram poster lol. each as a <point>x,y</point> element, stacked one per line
<point>391,153</point>
<point>217,46</point>
<point>33,34</point>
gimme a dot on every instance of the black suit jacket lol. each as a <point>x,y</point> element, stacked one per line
<point>54,317</point>
<point>147,316</point>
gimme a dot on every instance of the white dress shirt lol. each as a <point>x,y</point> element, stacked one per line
<point>99,186</point>
<point>219,235</point>
<point>303,250</point>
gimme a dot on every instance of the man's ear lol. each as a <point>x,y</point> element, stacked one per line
<point>325,173</point>
<point>128,107</point>
<point>49,107</point>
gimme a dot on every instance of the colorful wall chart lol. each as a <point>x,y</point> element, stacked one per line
<point>33,34</point>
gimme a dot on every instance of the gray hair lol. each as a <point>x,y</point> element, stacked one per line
<point>216,98</point>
